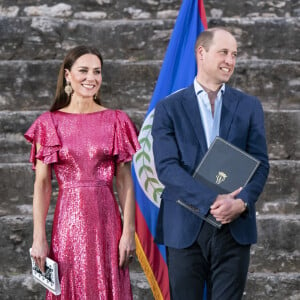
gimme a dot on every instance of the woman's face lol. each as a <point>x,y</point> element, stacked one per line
<point>85,76</point>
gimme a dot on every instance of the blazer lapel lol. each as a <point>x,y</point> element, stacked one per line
<point>191,108</point>
<point>229,106</point>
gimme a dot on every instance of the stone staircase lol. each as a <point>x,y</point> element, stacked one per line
<point>133,36</point>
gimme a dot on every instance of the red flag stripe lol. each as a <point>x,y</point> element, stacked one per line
<point>150,258</point>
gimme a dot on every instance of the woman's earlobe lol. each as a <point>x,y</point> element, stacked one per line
<point>67,72</point>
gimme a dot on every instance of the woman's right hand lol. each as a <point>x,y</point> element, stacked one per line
<point>41,201</point>
<point>39,252</point>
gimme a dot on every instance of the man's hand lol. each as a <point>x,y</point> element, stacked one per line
<point>226,208</point>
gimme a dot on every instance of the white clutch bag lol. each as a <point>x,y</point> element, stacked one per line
<point>49,279</point>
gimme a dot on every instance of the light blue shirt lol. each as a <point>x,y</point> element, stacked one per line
<point>211,123</point>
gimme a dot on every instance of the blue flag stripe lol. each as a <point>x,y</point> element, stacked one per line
<point>179,67</point>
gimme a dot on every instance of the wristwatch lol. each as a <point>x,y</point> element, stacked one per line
<point>245,206</point>
<point>245,212</point>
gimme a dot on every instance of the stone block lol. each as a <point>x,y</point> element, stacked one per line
<point>275,82</point>
<point>12,122</point>
<point>277,286</point>
<point>16,187</point>
<point>132,9</point>
<point>277,248</point>
<point>20,286</point>
<point>14,148</point>
<point>15,242</point>
<point>258,37</point>
<point>49,38</point>
<point>281,193</point>
<point>110,9</point>
<point>253,8</point>
<point>282,128</point>
<point>16,190</point>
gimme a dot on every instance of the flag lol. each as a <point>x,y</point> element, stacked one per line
<point>178,71</point>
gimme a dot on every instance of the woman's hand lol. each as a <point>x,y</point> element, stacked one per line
<point>39,252</point>
<point>41,202</point>
<point>126,249</point>
<point>125,191</point>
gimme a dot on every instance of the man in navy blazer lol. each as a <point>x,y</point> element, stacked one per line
<point>185,123</point>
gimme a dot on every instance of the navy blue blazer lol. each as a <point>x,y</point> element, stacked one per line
<point>179,145</point>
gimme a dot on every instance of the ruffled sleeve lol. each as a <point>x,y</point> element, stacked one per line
<point>43,132</point>
<point>125,142</point>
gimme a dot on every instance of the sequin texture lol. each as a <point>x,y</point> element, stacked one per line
<point>83,150</point>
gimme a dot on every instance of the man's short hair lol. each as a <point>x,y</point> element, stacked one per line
<point>205,38</point>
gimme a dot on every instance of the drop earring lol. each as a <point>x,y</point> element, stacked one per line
<point>68,89</point>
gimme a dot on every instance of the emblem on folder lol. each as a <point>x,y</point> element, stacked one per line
<point>221,176</point>
<point>222,155</point>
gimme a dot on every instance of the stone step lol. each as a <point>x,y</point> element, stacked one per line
<point>31,84</point>
<point>217,9</point>
<point>133,9</point>
<point>46,38</point>
<point>276,251</point>
<point>256,35</point>
<point>269,81</point>
<point>16,189</point>
<point>260,286</point>
<point>28,85</point>
<point>280,195</point>
<point>22,286</point>
<point>107,9</point>
<point>275,286</point>
<point>281,126</point>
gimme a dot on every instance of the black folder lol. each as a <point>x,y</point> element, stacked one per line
<point>224,168</point>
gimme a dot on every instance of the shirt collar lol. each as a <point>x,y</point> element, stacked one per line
<point>199,89</point>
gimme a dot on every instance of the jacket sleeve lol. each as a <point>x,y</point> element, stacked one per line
<point>171,170</point>
<point>256,145</point>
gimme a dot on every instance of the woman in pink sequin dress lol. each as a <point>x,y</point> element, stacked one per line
<point>86,145</point>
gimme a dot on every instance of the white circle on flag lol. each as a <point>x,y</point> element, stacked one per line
<point>143,162</point>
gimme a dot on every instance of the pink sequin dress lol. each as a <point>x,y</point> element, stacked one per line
<point>83,150</point>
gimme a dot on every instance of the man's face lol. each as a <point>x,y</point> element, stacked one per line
<point>219,61</point>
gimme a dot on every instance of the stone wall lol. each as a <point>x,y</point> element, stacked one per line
<point>133,36</point>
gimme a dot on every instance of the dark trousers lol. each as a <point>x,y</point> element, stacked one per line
<point>215,259</point>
